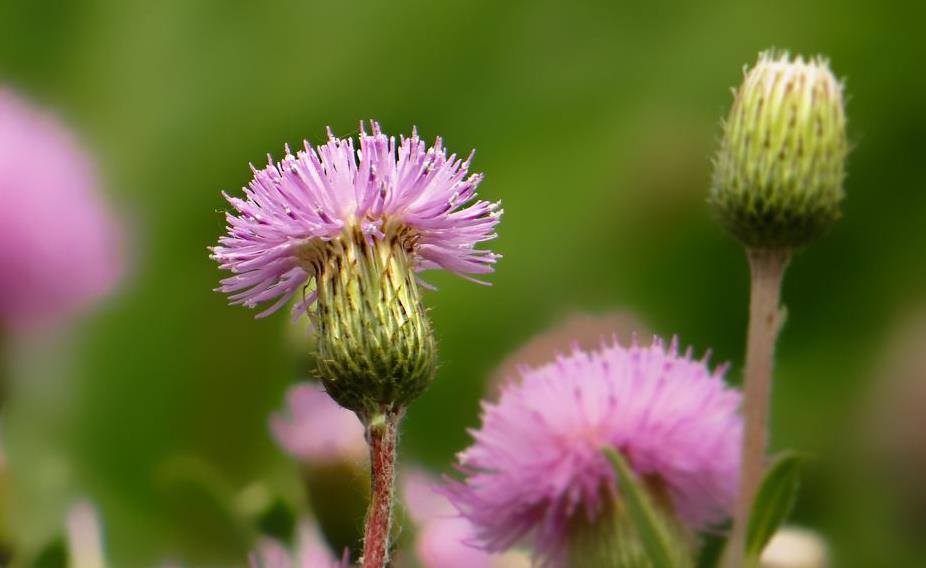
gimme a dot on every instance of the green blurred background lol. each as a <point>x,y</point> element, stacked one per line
<point>594,123</point>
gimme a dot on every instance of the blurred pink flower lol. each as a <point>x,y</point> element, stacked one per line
<point>316,430</point>
<point>311,552</point>
<point>85,536</point>
<point>59,247</point>
<point>537,460</point>
<point>443,538</point>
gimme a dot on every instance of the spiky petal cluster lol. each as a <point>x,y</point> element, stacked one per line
<point>779,172</point>
<point>58,241</point>
<point>384,190</point>
<point>536,466</point>
<point>314,429</point>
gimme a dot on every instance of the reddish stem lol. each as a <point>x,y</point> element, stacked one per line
<point>383,437</point>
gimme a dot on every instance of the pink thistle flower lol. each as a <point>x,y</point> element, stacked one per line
<point>58,242</point>
<point>536,464</point>
<point>315,429</point>
<point>404,192</point>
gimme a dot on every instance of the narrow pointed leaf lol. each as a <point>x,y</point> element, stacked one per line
<point>652,532</point>
<point>773,503</point>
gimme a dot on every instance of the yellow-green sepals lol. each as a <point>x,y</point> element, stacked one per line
<point>375,347</point>
<point>778,176</point>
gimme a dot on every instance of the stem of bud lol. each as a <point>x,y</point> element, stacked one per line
<point>767,268</point>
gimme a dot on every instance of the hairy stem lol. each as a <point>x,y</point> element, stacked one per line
<point>382,434</point>
<point>767,268</point>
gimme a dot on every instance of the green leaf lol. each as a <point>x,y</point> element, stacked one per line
<point>652,532</point>
<point>773,503</point>
<point>278,521</point>
<point>52,555</point>
<point>712,546</point>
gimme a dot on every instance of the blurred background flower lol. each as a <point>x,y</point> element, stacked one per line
<point>594,122</point>
<point>443,538</point>
<point>59,247</point>
<point>311,551</point>
<point>314,429</point>
<point>795,547</point>
<point>86,546</point>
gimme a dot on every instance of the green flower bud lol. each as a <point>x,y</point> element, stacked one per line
<point>778,175</point>
<point>375,346</point>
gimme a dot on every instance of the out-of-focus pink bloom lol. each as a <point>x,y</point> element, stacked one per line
<point>311,552</point>
<point>444,538</point>
<point>85,537</point>
<point>315,429</point>
<point>537,463</point>
<point>59,248</point>
<point>406,192</point>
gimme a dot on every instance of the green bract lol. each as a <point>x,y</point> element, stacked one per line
<point>778,175</point>
<point>375,346</point>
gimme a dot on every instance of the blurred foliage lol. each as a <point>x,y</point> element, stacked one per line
<point>594,121</point>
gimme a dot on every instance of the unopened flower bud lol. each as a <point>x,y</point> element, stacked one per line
<point>779,173</point>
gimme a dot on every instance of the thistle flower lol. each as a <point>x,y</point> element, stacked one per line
<point>536,471</point>
<point>353,228</point>
<point>778,175</point>
<point>315,430</point>
<point>58,242</point>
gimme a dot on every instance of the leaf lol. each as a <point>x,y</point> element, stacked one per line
<point>652,532</point>
<point>278,521</point>
<point>774,501</point>
<point>712,546</point>
<point>52,555</point>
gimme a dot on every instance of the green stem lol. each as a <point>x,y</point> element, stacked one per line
<point>767,268</point>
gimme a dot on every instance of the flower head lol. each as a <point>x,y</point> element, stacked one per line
<point>314,429</point>
<point>778,175</point>
<point>58,242</point>
<point>406,193</point>
<point>357,225</point>
<point>536,467</point>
